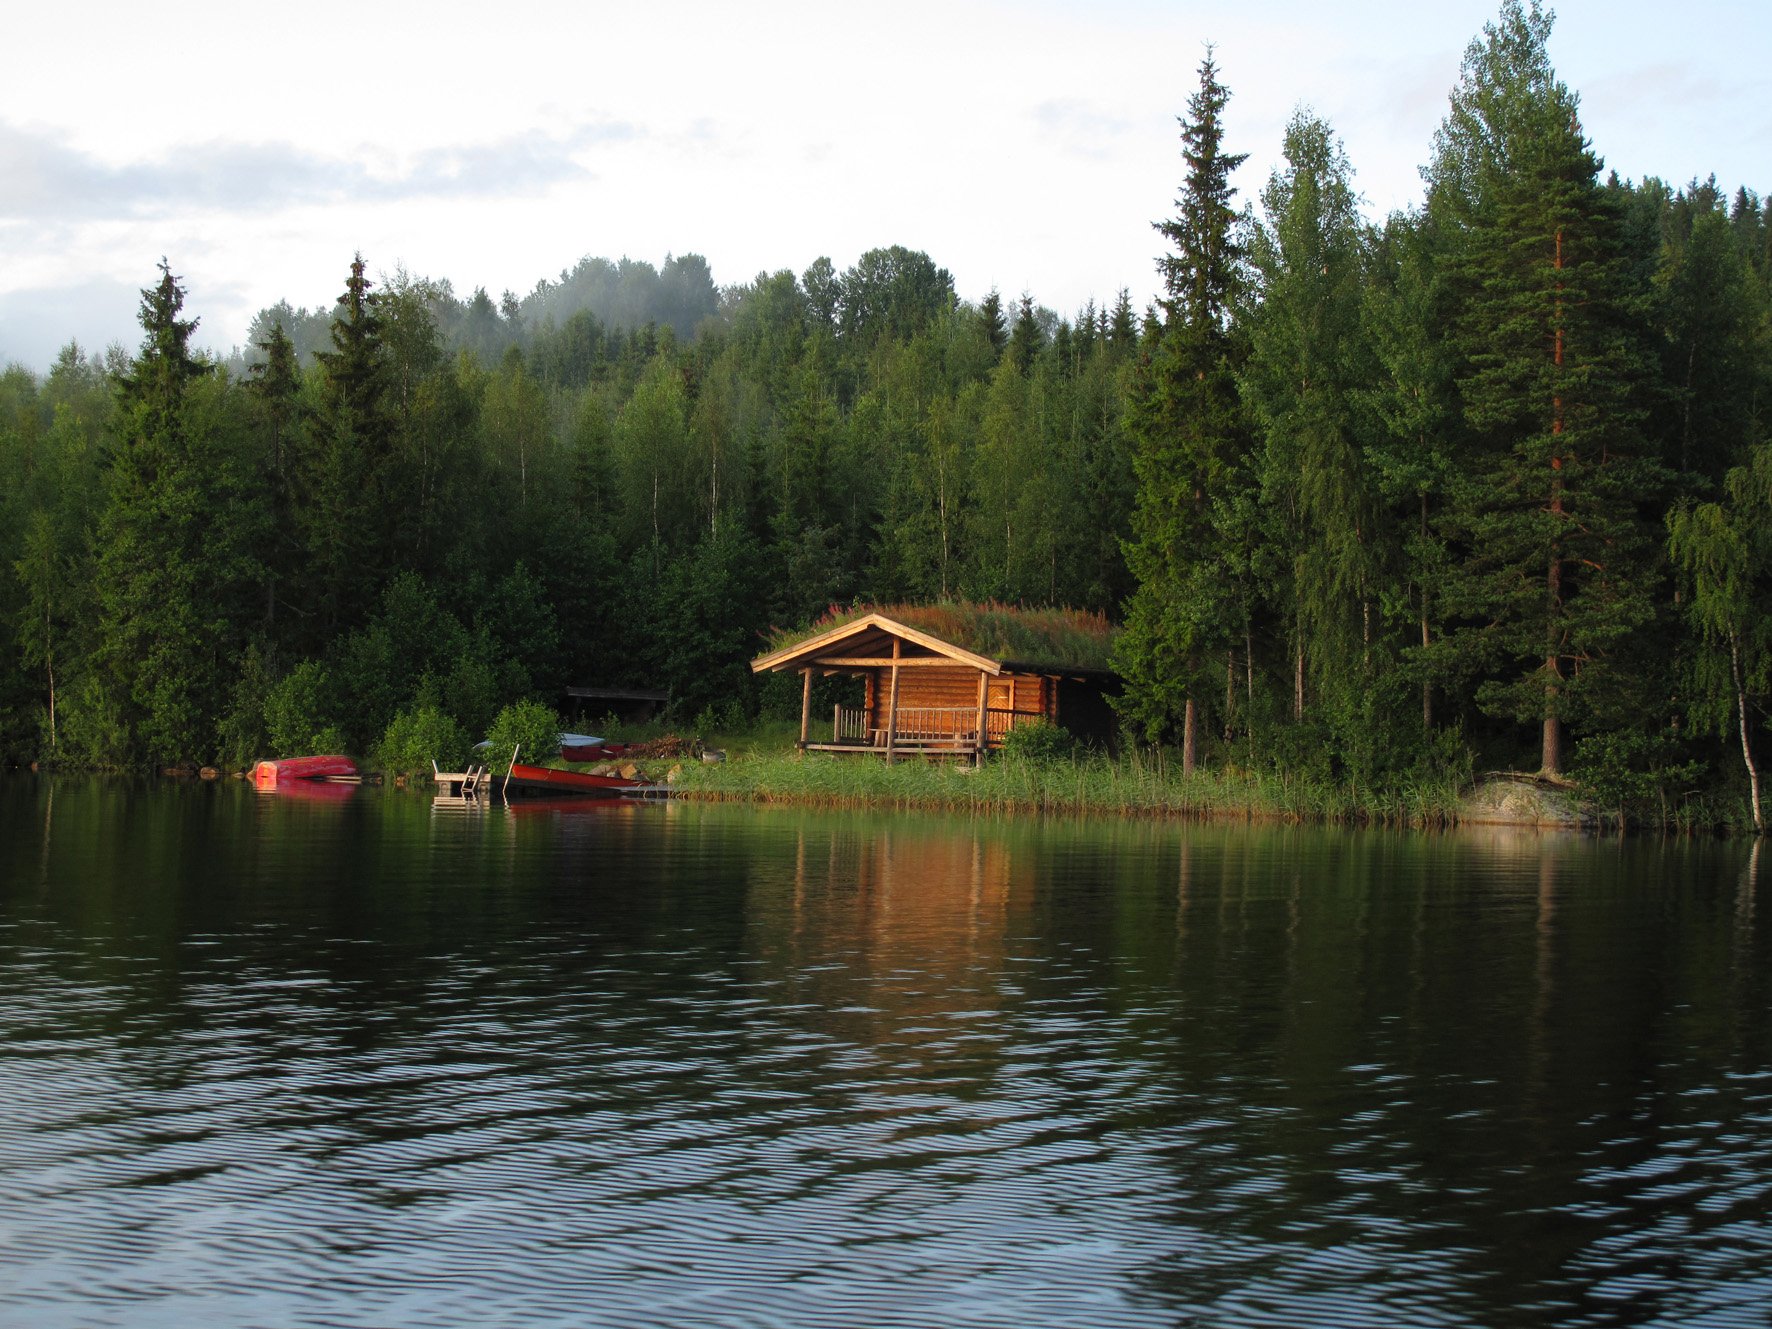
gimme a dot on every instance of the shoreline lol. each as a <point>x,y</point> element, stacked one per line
<point>1130,788</point>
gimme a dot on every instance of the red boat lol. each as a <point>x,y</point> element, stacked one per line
<point>548,779</point>
<point>268,774</point>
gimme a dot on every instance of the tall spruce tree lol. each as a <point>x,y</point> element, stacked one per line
<point>1558,569</point>
<point>275,389</point>
<point>1187,437</point>
<point>993,322</point>
<point>343,495</point>
<point>173,552</point>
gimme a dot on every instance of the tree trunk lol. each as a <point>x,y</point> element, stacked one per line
<point>1298,676</point>
<point>1248,666</point>
<point>1230,690</point>
<point>1189,739</point>
<point>1249,682</point>
<point>1553,727</point>
<point>1427,688</point>
<point>1747,752</point>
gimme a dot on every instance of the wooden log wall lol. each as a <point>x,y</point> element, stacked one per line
<point>1033,694</point>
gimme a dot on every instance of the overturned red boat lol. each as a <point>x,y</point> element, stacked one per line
<point>269,774</point>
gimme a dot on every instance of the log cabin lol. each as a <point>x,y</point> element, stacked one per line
<point>953,680</point>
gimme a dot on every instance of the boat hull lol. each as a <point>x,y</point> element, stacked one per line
<point>270,773</point>
<point>547,779</point>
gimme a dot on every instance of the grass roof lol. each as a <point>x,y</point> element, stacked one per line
<point>1057,638</point>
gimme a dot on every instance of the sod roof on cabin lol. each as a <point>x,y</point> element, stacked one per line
<point>1053,639</point>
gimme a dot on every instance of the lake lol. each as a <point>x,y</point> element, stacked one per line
<point>365,1061</point>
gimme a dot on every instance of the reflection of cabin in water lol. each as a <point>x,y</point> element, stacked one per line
<point>954,680</point>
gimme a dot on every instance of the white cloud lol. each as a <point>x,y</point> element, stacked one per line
<point>1024,145</point>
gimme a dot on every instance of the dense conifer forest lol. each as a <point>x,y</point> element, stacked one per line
<point>1484,485</point>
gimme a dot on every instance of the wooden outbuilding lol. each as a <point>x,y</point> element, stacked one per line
<point>953,680</point>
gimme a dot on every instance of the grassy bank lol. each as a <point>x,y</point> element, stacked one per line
<point>1132,785</point>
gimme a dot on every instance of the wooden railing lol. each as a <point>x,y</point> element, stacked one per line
<point>849,724</point>
<point>921,725</point>
<point>936,724</point>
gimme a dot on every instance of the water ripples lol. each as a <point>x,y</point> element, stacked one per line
<point>547,1103</point>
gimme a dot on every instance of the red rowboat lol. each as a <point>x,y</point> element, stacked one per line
<point>562,782</point>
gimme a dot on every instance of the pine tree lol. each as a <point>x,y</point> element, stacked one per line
<point>1025,337</point>
<point>1558,570</point>
<point>174,545</point>
<point>345,503</point>
<point>275,389</point>
<point>990,317</point>
<point>1188,446</point>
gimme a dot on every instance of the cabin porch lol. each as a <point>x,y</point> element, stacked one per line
<point>921,731</point>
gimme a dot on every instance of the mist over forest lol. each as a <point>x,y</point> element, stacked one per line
<point>1485,485</point>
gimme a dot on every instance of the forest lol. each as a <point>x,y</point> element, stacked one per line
<point>1485,485</point>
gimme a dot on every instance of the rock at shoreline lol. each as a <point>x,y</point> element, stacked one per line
<point>1504,799</point>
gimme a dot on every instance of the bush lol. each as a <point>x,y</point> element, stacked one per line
<point>298,713</point>
<point>527,725</point>
<point>240,733</point>
<point>1040,742</point>
<point>418,737</point>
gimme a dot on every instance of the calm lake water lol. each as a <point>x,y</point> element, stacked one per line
<point>272,1061</point>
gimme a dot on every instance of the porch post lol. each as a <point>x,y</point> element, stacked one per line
<point>805,706</point>
<point>892,703</point>
<point>984,732</point>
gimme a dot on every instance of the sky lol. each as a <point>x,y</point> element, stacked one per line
<point>1026,147</point>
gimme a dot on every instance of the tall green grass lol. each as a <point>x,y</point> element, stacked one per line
<point>1136,784</point>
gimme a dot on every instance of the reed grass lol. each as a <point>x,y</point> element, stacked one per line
<point>1133,785</point>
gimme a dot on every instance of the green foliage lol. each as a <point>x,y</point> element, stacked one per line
<point>1040,742</point>
<point>1306,361</point>
<point>95,729</point>
<point>1548,508</point>
<point>1370,504</point>
<point>298,713</point>
<point>1191,599</point>
<point>175,568</point>
<point>241,733</point>
<point>1636,774</point>
<point>528,727</point>
<point>417,738</point>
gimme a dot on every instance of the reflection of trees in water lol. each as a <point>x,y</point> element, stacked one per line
<point>1257,1062</point>
<point>1480,1048</point>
